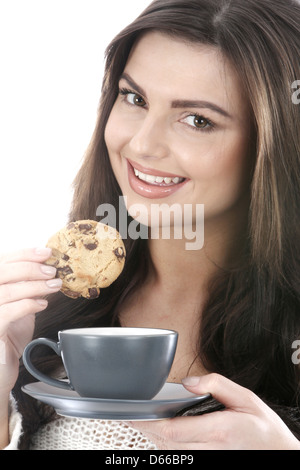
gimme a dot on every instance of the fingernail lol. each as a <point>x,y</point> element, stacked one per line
<point>49,270</point>
<point>42,302</point>
<point>43,251</point>
<point>191,381</point>
<point>54,283</point>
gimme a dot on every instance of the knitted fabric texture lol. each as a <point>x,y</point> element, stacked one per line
<point>78,434</point>
<point>88,434</point>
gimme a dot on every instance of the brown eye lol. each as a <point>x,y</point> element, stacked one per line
<point>200,122</point>
<point>132,98</point>
<point>135,99</point>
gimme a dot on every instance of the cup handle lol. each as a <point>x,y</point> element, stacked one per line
<point>35,372</point>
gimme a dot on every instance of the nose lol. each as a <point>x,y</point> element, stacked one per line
<point>149,138</point>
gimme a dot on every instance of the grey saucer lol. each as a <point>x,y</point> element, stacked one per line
<point>171,399</point>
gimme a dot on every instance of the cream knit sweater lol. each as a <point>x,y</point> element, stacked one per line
<point>78,434</point>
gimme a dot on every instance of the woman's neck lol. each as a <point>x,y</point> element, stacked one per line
<point>179,278</point>
<point>175,293</point>
<point>188,270</point>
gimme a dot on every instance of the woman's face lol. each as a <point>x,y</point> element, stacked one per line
<point>179,130</point>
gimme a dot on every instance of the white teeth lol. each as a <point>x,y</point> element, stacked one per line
<point>150,179</point>
<point>157,179</point>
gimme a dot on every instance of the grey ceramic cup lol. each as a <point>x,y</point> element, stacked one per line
<point>112,363</point>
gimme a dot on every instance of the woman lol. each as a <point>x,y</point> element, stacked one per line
<point>199,94</point>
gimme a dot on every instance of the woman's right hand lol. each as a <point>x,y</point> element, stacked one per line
<point>24,281</point>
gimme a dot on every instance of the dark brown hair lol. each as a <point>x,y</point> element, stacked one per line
<point>251,320</point>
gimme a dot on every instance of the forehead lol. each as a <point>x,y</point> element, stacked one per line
<point>182,69</point>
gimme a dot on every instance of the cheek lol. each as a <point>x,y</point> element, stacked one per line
<point>117,132</point>
<point>238,166</point>
<point>113,143</point>
<point>111,136</point>
<point>223,173</point>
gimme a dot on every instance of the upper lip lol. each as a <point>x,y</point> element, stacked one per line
<point>151,171</point>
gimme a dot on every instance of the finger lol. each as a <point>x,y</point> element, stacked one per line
<point>30,289</point>
<point>185,429</point>
<point>26,254</point>
<point>25,271</point>
<point>15,310</point>
<point>225,391</point>
<point>194,432</point>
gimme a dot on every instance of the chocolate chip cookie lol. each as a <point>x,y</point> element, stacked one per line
<point>88,255</point>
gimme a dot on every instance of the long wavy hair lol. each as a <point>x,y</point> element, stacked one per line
<point>253,315</point>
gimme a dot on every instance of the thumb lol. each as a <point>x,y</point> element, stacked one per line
<point>227,392</point>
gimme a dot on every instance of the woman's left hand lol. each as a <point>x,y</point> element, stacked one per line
<point>246,422</point>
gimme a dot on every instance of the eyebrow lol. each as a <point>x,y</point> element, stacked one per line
<point>179,103</point>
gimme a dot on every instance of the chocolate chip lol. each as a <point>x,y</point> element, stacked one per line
<point>91,246</point>
<point>85,228</point>
<point>71,293</point>
<point>65,257</point>
<point>93,293</point>
<point>64,271</point>
<point>119,252</point>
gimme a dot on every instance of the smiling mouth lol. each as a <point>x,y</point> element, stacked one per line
<point>158,180</point>
<point>152,183</point>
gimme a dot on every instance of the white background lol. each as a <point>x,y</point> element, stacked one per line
<point>51,62</point>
